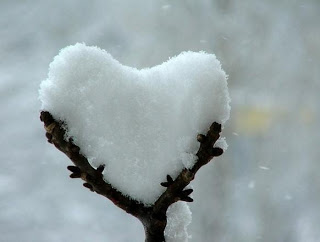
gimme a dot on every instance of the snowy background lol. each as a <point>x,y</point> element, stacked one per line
<point>265,188</point>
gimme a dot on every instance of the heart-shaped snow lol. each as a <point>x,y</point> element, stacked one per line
<point>142,124</point>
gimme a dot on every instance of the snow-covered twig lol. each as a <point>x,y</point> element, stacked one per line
<point>92,177</point>
<point>153,217</point>
<point>175,190</point>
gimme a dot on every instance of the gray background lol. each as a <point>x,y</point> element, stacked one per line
<point>266,186</point>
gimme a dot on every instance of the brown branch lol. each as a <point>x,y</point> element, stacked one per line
<point>175,190</point>
<point>154,217</point>
<point>93,177</point>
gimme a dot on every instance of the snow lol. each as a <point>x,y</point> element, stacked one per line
<point>141,124</point>
<point>221,143</point>
<point>178,218</point>
<point>264,168</point>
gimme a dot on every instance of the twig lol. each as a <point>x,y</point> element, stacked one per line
<point>93,178</point>
<point>175,190</point>
<point>153,217</point>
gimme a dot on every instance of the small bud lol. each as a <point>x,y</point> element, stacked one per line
<point>89,186</point>
<point>201,138</point>
<point>187,192</point>
<point>49,136</point>
<point>46,118</point>
<point>74,169</point>
<point>216,127</point>
<point>100,168</point>
<point>186,199</point>
<point>216,151</point>
<point>75,175</point>
<point>165,184</point>
<point>168,182</point>
<point>169,179</point>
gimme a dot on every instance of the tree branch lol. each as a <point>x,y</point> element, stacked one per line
<point>154,217</point>
<point>93,177</point>
<point>175,190</point>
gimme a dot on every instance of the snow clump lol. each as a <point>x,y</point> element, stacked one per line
<point>140,124</point>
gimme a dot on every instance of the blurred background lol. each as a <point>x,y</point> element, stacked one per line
<point>266,187</point>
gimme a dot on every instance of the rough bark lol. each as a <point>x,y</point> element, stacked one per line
<point>152,217</point>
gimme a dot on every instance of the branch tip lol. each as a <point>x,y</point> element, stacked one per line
<point>216,127</point>
<point>46,118</point>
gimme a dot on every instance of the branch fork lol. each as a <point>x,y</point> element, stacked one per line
<point>152,217</point>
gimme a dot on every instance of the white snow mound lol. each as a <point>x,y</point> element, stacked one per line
<point>178,218</point>
<point>142,124</point>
